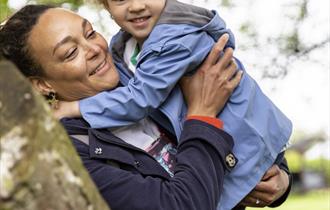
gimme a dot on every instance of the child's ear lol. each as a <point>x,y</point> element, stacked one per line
<point>41,85</point>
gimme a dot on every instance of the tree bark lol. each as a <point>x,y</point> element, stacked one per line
<point>39,167</point>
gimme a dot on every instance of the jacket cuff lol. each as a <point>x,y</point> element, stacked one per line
<point>210,120</point>
<point>219,139</point>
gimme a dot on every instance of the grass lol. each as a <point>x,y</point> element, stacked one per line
<point>315,200</point>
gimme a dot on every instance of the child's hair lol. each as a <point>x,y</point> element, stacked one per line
<point>104,2</point>
<point>14,34</point>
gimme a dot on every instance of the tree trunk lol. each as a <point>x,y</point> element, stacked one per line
<point>39,167</point>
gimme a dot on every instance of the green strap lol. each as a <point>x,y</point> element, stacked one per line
<point>134,56</point>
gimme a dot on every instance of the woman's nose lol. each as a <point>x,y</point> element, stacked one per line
<point>92,51</point>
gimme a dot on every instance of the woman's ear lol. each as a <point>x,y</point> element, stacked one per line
<point>41,85</point>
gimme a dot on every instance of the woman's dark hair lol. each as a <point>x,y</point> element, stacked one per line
<point>13,38</point>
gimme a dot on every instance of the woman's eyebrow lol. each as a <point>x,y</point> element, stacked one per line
<point>68,38</point>
<point>63,41</point>
<point>84,23</point>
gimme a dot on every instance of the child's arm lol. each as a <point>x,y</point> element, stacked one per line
<point>67,109</point>
<point>154,79</point>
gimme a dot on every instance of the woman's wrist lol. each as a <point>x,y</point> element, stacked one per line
<point>201,112</point>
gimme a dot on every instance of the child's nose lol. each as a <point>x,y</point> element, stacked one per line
<point>137,5</point>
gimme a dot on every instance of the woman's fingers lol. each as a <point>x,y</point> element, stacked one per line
<point>253,202</point>
<point>235,80</point>
<point>207,91</point>
<point>272,171</point>
<point>258,199</point>
<point>230,75</point>
<point>228,72</point>
<point>226,58</point>
<point>213,56</point>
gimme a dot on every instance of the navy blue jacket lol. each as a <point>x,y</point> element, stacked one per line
<point>130,179</point>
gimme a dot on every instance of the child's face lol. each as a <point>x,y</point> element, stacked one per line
<point>137,17</point>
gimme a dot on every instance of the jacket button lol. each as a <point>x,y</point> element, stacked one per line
<point>98,151</point>
<point>137,163</point>
<point>230,160</point>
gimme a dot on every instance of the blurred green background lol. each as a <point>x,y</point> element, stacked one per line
<point>313,200</point>
<point>283,54</point>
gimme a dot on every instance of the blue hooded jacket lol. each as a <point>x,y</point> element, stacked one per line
<point>178,44</point>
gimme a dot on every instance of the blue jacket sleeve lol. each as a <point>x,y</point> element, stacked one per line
<point>153,81</point>
<point>197,183</point>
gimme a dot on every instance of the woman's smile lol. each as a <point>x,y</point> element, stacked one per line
<point>102,67</point>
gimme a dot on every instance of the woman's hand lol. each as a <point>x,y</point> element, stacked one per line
<point>207,91</point>
<point>273,185</point>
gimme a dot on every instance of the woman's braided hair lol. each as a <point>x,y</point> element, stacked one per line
<point>14,34</point>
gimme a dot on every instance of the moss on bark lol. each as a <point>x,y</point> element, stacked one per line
<point>39,167</point>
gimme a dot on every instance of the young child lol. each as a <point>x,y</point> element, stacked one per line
<point>160,42</point>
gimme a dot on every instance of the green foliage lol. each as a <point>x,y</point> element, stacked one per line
<point>315,200</point>
<point>321,165</point>
<point>226,3</point>
<point>295,161</point>
<point>303,10</point>
<point>4,10</point>
<point>292,43</point>
<point>298,163</point>
<point>74,4</point>
<point>249,29</point>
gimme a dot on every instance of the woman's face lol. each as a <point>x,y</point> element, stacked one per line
<point>75,57</point>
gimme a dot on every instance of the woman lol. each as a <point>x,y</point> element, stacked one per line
<point>74,63</point>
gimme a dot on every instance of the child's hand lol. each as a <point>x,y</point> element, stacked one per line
<point>67,109</point>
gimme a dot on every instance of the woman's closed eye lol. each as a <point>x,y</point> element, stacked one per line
<point>71,53</point>
<point>91,34</point>
<point>118,2</point>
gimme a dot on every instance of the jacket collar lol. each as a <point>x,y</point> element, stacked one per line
<point>75,126</point>
<point>104,145</point>
<point>78,126</point>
